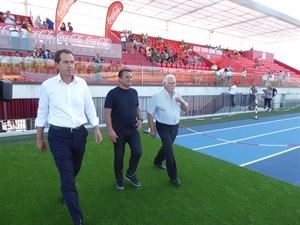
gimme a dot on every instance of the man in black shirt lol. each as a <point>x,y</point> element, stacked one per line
<point>123,120</point>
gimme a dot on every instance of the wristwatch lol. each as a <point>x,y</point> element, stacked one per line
<point>140,119</point>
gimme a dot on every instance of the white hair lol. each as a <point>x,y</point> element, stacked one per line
<point>167,77</point>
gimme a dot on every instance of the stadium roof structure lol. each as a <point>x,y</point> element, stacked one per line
<point>240,18</point>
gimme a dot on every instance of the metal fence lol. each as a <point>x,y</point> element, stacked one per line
<point>23,111</point>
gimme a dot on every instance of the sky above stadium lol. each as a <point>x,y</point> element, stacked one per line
<point>288,7</point>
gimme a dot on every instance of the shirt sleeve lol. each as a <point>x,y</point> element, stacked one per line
<point>90,109</point>
<point>43,109</point>
<point>152,105</point>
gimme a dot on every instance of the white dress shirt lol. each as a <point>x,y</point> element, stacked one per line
<point>232,89</point>
<point>65,105</point>
<point>165,109</point>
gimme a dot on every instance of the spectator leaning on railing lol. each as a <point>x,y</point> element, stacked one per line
<point>25,37</point>
<point>70,28</point>
<point>14,36</point>
<point>8,18</point>
<point>38,22</point>
<point>50,24</point>
<point>63,26</point>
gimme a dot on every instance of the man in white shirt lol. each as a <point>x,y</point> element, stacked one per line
<point>271,78</point>
<point>232,90</point>
<point>220,75</point>
<point>38,22</point>
<point>17,59</point>
<point>14,36</point>
<point>165,108</point>
<point>4,59</point>
<point>228,75</point>
<point>123,41</point>
<point>66,104</point>
<point>280,78</point>
<point>244,74</point>
<point>10,19</point>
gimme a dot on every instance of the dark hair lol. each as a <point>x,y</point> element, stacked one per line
<point>58,53</point>
<point>24,26</point>
<point>124,69</point>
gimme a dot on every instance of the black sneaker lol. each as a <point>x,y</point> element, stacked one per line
<point>79,222</point>
<point>160,166</point>
<point>175,181</point>
<point>119,185</point>
<point>133,180</point>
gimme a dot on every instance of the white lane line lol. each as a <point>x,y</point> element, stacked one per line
<point>270,156</point>
<point>229,128</point>
<point>247,138</point>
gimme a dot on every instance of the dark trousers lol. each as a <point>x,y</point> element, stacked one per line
<point>232,100</point>
<point>167,134</point>
<point>132,137</point>
<point>267,101</point>
<point>68,149</point>
<point>123,43</point>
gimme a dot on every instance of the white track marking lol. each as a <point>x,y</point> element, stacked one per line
<point>229,128</point>
<point>270,156</point>
<point>247,138</point>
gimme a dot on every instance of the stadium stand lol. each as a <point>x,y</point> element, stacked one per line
<point>145,71</point>
<point>139,60</point>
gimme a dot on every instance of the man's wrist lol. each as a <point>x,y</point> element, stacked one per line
<point>183,103</point>
<point>141,119</point>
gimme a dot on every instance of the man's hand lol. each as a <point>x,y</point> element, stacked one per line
<point>112,135</point>
<point>98,135</point>
<point>139,124</point>
<point>41,145</point>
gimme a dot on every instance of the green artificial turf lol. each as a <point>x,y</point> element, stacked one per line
<point>213,192</point>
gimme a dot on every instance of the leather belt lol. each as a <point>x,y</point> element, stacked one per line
<point>67,129</point>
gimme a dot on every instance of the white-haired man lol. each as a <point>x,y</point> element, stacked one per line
<point>165,108</point>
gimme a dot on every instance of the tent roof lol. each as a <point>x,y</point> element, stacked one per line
<point>240,18</point>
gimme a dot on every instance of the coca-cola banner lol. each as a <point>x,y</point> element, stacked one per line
<point>112,13</point>
<point>79,44</point>
<point>63,37</point>
<point>62,9</point>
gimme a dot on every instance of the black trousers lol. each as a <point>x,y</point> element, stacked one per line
<point>232,100</point>
<point>267,101</point>
<point>68,150</point>
<point>167,134</point>
<point>132,137</point>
